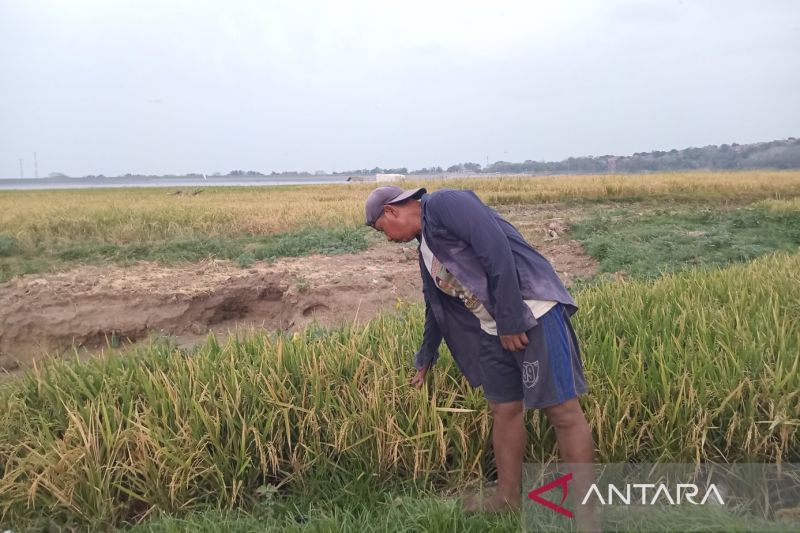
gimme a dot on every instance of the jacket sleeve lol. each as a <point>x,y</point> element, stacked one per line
<point>431,335</point>
<point>428,353</point>
<point>463,215</point>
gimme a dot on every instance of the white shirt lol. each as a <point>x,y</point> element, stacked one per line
<point>448,284</point>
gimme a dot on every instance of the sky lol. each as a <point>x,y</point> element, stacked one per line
<point>177,86</point>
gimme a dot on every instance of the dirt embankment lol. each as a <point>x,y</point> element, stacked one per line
<point>94,306</point>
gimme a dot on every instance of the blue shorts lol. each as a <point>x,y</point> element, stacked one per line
<point>547,372</point>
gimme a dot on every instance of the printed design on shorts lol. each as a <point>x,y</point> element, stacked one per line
<point>448,283</point>
<point>530,373</point>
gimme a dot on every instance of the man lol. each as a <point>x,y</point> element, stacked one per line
<point>504,314</point>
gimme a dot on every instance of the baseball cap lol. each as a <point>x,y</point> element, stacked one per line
<point>390,194</point>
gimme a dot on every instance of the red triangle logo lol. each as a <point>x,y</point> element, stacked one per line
<point>560,482</point>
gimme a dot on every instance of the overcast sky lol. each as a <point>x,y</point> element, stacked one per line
<point>167,86</point>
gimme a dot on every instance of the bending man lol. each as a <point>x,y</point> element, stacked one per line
<point>504,314</point>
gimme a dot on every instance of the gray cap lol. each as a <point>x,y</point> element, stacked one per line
<point>390,194</point>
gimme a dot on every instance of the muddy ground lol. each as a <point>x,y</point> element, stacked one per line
<point>90,307</point>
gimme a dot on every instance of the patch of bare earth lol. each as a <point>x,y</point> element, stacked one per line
<point>92,306</point>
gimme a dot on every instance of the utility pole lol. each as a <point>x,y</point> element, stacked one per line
<point>35,166</point>
<point>21,173</point>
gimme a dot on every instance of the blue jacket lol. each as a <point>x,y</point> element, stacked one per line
<point>491,259</point>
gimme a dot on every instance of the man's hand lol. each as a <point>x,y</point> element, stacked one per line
<point>419,378</point>
<point>515,342</point>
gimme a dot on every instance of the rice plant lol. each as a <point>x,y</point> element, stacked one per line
<point>701,365</point>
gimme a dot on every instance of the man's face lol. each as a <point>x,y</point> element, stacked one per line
<point>398,223</point>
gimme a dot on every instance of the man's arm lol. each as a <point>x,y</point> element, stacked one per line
<point>466,217</point>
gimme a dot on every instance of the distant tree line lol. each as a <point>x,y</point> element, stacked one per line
<point>780,154</point>
<point>245,173</point>
<point>371,171</point>
<point>428,170</point>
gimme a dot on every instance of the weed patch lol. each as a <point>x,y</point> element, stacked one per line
<point>650,243</point>
<point>244,250</point>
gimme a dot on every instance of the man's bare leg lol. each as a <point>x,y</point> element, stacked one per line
<point>509,438</point>
<point>576,446</point>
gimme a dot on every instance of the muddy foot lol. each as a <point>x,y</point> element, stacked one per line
<point>489,502</point>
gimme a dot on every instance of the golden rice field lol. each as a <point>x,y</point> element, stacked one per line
<point>781,206</point>
<point>36,218</point>
<point>699,365</point>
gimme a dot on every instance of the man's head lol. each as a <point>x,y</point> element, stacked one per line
<point>395,212</point>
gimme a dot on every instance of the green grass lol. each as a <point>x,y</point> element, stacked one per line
<point>695,366</point>
<point>429,513</point>
<point>645,242</point>
<point>7,245</point>
<point>363,507</point>
<point>242,249</point>
<point>369,509</point>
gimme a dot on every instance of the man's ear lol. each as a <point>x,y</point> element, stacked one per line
<point>390,209</point>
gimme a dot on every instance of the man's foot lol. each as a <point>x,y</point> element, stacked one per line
<point>489,502</point>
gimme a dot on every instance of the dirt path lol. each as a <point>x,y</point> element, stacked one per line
<point>93,306</point>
